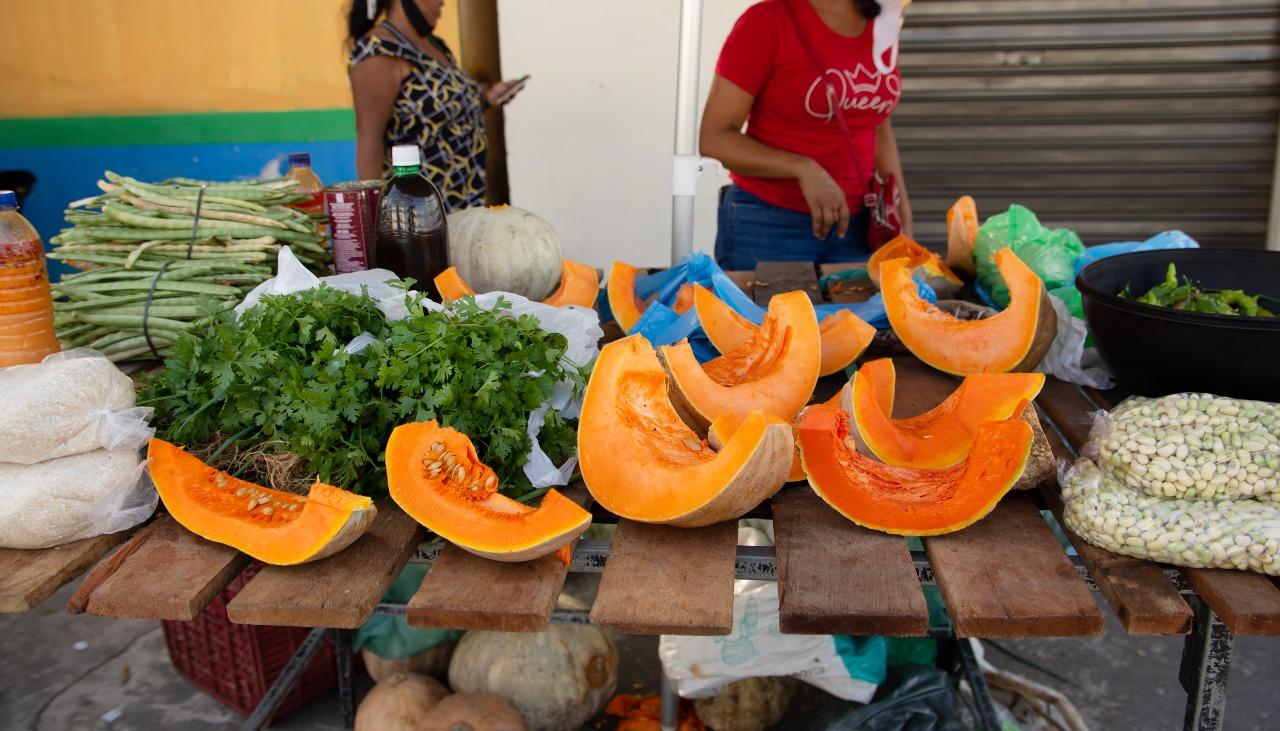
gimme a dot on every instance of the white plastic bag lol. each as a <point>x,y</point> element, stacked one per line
<point>291,276</point>
<point>699,666</point>
<point>74,497</point>
<point>72,402</point>
<point>1067,358</point>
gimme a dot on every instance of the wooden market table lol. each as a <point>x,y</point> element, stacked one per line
<point>1005,576</point>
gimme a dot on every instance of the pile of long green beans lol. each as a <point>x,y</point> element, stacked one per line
<point>137,236</point>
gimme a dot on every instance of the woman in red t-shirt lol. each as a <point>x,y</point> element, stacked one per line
<point>797,189</point>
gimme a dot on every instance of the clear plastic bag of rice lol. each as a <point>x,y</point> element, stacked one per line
<point>73,402</point>
<point>1219,533</point>
<point>69,498</point>
<point>1191,445</point>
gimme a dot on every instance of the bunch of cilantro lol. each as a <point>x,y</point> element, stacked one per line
<point>282,376</point>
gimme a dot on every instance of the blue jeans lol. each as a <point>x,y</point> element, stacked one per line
<point>750,231</point>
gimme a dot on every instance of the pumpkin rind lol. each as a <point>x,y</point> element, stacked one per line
<point>397,702</point>
<point>557,679</point>
<point>903,500</point>
<point>723,429</point>
<point>472,712</point>
<point>962,232</point>
<point>774,372</point>
<point>1014,340</point>
<point>642,462</point>
<point>281,528</point>
<point>505,249</point>
<point>578,286</point>
<point>942,436</point>
<point>478,520</point>
<point>844,335</point>
<point>624,305</point>
<point>451,286</point>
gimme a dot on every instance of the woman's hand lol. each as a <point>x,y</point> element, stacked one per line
<point>826,200</point>
<point>495,92</point>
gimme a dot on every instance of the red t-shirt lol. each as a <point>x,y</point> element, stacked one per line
<point>763,55</point>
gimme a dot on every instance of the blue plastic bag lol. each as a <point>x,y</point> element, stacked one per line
<point>1162,240</point>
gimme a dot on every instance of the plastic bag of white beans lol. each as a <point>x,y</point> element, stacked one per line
<point>1191,445</point>
<point>1202,533</point>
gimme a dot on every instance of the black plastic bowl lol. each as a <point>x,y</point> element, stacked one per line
<point>1155,351</point>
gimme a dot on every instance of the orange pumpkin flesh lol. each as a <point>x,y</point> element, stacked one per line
<point>684,299</point>
<point>642,462</point>
<point>626,309</point>
<point>962,233</point>
<point>1012,341</point>
<point>774,372</point>
<point>942,436</point>
<point>726,425</point>
<point>451,285</point>
<point>578,286</point>
<point>844,335</point>
<point>280,528</point>
<point>434,475</point>
<point>903,500</point>
<point>900,247</point>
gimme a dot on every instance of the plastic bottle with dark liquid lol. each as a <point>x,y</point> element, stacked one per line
<point>412,237</point>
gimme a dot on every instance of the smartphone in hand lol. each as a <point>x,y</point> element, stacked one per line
<point>507,95</point>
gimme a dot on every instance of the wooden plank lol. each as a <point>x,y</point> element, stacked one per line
<point>465,591</point>
<point>339,591</point>
<point>1247,602</point>
<point>28,577</point>
<point>776,277</point>
<point>665,580</point>
<point>835,577</point>
<point>745,280</point>
<point>1142,597</point>
<point>1006,576</point>
<point>172,575</point>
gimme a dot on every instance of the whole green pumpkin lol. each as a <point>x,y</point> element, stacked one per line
<point>505,249</point>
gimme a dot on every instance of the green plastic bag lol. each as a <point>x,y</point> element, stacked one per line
<point>388,635</point>
<point>1050,252</point>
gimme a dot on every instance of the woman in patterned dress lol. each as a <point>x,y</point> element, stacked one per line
<point>409,90</point>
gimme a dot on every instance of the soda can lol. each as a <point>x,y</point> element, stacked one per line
<point>353,220</point>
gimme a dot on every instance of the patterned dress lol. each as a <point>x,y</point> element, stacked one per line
<point>440,109</point>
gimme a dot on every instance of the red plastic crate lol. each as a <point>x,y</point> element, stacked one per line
<point>237,663</point>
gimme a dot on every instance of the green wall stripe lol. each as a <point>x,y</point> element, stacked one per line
<point>179,129</point>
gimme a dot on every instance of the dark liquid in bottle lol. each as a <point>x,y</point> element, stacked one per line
<point>412,238</point>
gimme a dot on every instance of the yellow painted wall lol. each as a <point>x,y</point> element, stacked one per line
<point>83,57</point>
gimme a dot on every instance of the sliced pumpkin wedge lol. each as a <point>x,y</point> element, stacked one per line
<point>1012,341</point>
<point>643,463</point>
<point>904,500</point>
<point>726,425</point>
<point>578,286</point>
<point>962,234</point>
<point>434,475</point>
<point>775,371</point>
<point>844,335</point>
<point>684,298</point>
<point>273,526</point>
<point>627,309</point>
<point>922,262</point>
<point>942,436</point>
<point>451,285</point>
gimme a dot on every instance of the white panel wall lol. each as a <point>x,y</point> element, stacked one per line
<point>589,140</point>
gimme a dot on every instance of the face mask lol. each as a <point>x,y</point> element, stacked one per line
<point>884,40</point>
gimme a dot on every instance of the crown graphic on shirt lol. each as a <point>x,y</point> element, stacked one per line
<point>863,80</point>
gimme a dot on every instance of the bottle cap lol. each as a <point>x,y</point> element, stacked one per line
<point>299,159</point>
<point>8,200</point>
<point>405,155</point>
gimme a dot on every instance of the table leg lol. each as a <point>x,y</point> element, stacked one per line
<point>670,704</point>
<point>1206,662</point>
<point>977,684</point>
<point>279,689</point>
<point>342,649</point>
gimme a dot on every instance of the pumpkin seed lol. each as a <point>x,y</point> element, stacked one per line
<point>459,473</point>
<point>693,444</point>
<point>267,511</point>
<point>293,508</point>
<point>252,504</point>
<point>264,500</point>
<point>240,492</point>
<point>489,481</point>
<point>438,447</point>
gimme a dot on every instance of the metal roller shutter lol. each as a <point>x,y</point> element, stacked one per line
<point>1116,119</point>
